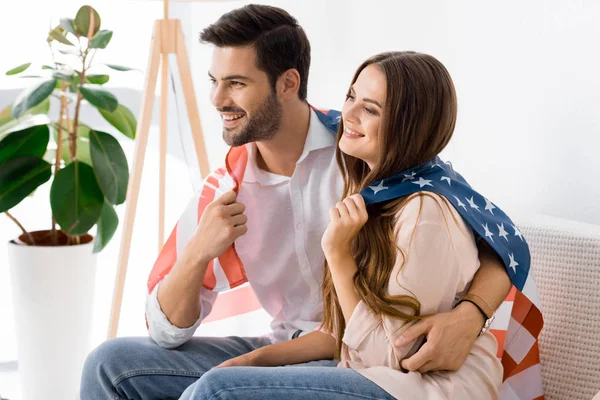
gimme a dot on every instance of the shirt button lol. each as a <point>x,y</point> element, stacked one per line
<point>299,225</point>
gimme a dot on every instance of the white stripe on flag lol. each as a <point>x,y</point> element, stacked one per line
<point>507,392</point>
<point>225,183</point>
<point>186,226</point>
<point>530,290</point>
<point>222,281</point>
<point>255,323</point>
<point>502,316</point>
<point>524,385</point>
<point>518,341</point>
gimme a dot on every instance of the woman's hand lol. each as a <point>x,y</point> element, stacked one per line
<point>346,220</point>
<point>245,360</point>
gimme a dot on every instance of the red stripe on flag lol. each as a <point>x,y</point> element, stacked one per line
<point>500,338</point>
<point>521,307</point>
<point>232,267</point>
<point>532,358</point>
<point>235,162</point>
<point>164,262</point>
<point>511,294</point>
<point>533,321</point>
<point>235,302</point>
<point>508,364</point>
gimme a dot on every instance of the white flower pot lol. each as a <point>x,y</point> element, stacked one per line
<point>53,298</point>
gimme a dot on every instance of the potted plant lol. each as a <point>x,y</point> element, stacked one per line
<point>53,270</point>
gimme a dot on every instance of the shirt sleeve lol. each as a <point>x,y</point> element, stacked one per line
<point>160,328</point>
<point>437,261</point>
<point>162,331</point>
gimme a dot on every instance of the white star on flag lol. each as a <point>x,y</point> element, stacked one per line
<point>489,206</point>
<point>472,203</point>
<point>445,178</point>
<point>502,233</point>
<point>409,177</point>
<point>513,263</point>
<point>518,233</point>
<point>338,118</point>
<point>488,233</point>
<point>423,182</point>
<point>460,203</point>
<point>378,188</point>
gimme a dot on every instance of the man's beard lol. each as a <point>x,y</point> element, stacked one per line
<point>262,126</point>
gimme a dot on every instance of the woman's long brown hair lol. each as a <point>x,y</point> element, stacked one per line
<point>416,125</point>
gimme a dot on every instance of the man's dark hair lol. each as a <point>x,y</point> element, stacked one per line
<point>280,42</point>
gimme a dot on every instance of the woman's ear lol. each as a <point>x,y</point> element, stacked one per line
<point>288,84</point>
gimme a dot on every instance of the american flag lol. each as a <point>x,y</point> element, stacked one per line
<point>518,321</point>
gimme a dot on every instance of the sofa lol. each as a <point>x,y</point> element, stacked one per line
<point>566,263</point>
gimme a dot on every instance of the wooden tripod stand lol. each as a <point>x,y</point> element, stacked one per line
<point>167,39</point>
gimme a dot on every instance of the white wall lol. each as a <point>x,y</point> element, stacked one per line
<point>526,74</point>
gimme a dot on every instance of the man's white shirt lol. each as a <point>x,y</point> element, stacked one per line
<point>281,251</point>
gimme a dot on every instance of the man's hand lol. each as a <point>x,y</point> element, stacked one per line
<point>450,337</point>
<point>221,224</point>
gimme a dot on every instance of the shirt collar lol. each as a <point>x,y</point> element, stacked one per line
<point>318,137</point>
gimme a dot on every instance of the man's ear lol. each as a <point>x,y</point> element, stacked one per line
<point>288,84</point>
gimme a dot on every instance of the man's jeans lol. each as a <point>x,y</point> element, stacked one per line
<point>137,368</point>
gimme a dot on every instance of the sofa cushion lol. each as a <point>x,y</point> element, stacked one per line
<point>566,263</point>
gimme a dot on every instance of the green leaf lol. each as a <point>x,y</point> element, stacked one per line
<point>110,166</point>
<point>82,130</point>
<point>97,79</point>
<point>24,122</point>
<point>19,69</point>
<point>33,96</point>
<point>100,41</point>
<point>99,97</point>
<point>76,198</point>
<point>28,142</point>
<point>58,34</point>
<point>83,151</point>
<point>42,108</point>
<point>75,82</point>
<point>107,226</point>
<point>69,52</point>
<point>62,76</point>
<point>47,67</point>
<point>6,117</point>
<point>121,68</point>
<point>19,177</point>
<point>86,17</point>
<point>82,143</point>
<point>68,25</point>
<point>122,119</point>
